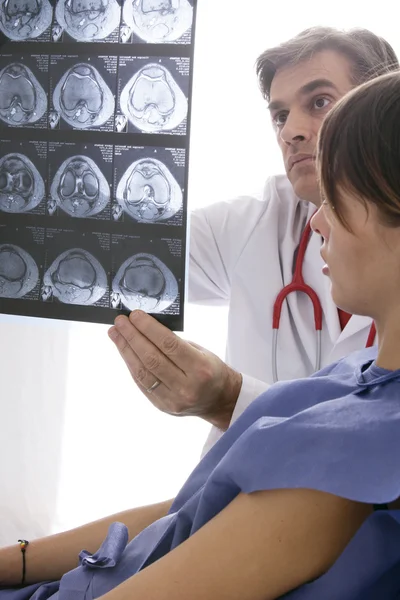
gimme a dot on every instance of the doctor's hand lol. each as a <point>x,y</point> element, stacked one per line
<point>178,377</point>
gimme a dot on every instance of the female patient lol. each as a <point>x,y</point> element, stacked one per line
<point>285,503</point>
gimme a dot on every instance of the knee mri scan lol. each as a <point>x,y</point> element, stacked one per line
<point>158,21</point>
<point>88,20</point>
<point>143,281</point>
<point>82,97</point>
<point>148,192</point>
<point>18,272</point>
<point>24,19</point>
<point>21,185</point>
<point>22,99</point>
<point>153,101</point>
<point>79,188</point>
<point>75,277</point>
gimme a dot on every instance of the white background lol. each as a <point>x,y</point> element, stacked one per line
<point>77,440</point>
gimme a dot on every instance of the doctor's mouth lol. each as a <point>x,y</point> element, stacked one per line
<point>300,159</point>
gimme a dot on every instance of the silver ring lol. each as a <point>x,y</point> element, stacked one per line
<point>153,387</point>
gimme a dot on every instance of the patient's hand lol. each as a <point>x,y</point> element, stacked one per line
<point>193,381</point>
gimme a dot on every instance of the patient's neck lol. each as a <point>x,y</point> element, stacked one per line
<point>388,331</point>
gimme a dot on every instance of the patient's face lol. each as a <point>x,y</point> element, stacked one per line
<point>364,263</point>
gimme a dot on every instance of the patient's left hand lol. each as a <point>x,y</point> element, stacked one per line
<point>193,381</point>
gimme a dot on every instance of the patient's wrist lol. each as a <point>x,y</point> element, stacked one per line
<point>11,565</point>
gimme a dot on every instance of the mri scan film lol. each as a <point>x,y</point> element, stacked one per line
<point>95,115</point>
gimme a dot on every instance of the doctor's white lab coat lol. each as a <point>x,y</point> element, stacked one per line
<point>242,254</point>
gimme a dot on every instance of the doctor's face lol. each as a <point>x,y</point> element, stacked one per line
<point>300,97</point>
<point>363,263</point>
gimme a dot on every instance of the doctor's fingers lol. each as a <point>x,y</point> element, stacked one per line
<point>186,356</point>
<point>144,360</point>
<point>172,398</point>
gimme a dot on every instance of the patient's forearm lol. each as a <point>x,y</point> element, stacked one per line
<point>50,557</point>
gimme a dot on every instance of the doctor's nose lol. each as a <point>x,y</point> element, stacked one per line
<point>297,128</point>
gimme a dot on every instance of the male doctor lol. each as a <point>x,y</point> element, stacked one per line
<point>243,252</point>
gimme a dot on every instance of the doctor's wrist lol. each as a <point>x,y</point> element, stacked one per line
<point>220,414</point>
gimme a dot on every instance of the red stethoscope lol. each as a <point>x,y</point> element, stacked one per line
<point>298,285</point>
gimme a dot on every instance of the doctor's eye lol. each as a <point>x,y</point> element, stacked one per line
<point>279,119</point>
<point>318,102</point>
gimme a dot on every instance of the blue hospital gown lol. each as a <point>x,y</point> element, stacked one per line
<point>337,431</point>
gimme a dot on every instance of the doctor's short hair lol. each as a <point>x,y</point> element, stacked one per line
<point>369,54</point>
<point>358,149</point>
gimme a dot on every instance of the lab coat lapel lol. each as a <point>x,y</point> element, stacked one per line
<point>345,344</point>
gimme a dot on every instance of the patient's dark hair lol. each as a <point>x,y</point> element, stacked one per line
<point>369,54</point>
<point>358,149</point>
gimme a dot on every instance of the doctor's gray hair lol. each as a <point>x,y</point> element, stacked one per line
<point>358,149</point>
<point>369,54</point>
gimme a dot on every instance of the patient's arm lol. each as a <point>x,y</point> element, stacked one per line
<point>258,548</point>
<point>50,557</point>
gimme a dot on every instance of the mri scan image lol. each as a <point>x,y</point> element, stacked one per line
<point>148,192</point>
<point>79,188</point>
<point>21,185</point>
<point>153,101</point>
<point>18,272</point>
<point>88,20</point>
<point>82,97</point>
<point>24,19</point>
<point>56,32</point>
<point>75,277</point>
<point>22,98</point>
<point>144,282</point>
<point>158,21</point>
<point>120,122</point>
